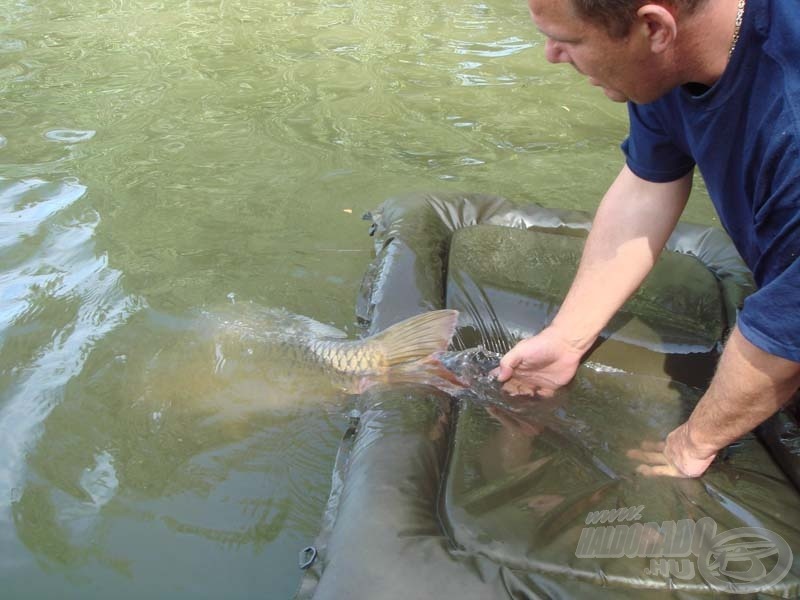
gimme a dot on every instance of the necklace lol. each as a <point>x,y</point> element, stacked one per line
<point>739,15</point>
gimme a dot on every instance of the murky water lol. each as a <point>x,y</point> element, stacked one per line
<point>161,157</point>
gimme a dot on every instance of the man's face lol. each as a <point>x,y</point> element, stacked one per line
<point>615,64</point>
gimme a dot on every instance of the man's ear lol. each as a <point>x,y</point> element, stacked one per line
<point>658,24</point>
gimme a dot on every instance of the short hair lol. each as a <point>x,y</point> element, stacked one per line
<point>617,16</point>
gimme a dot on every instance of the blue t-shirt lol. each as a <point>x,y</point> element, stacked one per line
<point>743,134</point>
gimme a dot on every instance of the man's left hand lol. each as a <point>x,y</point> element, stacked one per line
<point>677,457</point>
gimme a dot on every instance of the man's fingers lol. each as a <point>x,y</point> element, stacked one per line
<point>501,374</point>
<point>654,462</point>
<point>653,458</point>
<point>507,365</point>
<point>659,471</point>
<point>516,388</point>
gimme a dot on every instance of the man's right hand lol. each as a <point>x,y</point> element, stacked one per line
<point>539,365</point>
<point>628,232</point>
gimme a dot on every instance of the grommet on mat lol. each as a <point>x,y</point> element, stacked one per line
<point>307,557</point>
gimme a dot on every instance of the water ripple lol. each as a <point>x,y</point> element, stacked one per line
<point>27,204</point>
<point>61,280</point>
<point>495,49</point>
<point>69,136</point>
<point>8,46</point>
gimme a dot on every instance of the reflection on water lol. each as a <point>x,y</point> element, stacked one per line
<point>58,298</point>
<point>58,281</point>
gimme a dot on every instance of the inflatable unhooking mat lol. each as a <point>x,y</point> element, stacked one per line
<point>442,497</point>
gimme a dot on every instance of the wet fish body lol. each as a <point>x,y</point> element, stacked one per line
<point>400,352</point>
<point>406,342</point>
<point>404,352</point>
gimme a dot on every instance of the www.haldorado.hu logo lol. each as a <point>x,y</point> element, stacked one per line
<point>732,561</point>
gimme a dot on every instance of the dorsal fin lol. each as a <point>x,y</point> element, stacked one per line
<point>417,337</point>
<point>320,330</point>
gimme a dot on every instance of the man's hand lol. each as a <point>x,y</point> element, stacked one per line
<point>628,233</point>
<point>539,365</point>
<point>677,457</point>
<point>749,386</point>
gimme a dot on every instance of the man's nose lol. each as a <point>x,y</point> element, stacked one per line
<point>554,53</point>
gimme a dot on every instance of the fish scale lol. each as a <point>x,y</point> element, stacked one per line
<point>404,343</point>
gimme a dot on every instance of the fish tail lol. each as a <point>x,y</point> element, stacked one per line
<point>417,337</point>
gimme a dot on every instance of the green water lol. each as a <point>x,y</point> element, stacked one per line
<point>163,158</point>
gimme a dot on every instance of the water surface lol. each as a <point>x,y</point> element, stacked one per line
<point>159,158</point>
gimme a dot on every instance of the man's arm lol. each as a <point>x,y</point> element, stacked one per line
<point>748,387</point>
<point>632,224</point>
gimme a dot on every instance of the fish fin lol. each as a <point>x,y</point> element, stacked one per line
<point>428,370</point>
<point>417,337</point>
<point>322,330</point>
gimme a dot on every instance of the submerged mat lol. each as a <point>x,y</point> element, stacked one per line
<point>468,498</point>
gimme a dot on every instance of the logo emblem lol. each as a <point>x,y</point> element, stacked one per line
<point>736,560</point>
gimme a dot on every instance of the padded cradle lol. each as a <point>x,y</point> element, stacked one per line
<point>438,497</point>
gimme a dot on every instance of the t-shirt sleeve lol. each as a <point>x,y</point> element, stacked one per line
<point>649,151</point>
<point>770,318</point>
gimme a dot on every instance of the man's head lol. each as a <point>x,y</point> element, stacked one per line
<point>624,46</point>
<point>617,16</point>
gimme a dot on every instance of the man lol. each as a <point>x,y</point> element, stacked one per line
<point>708,82</point>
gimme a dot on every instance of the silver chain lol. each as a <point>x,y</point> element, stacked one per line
<point>739,16</point>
